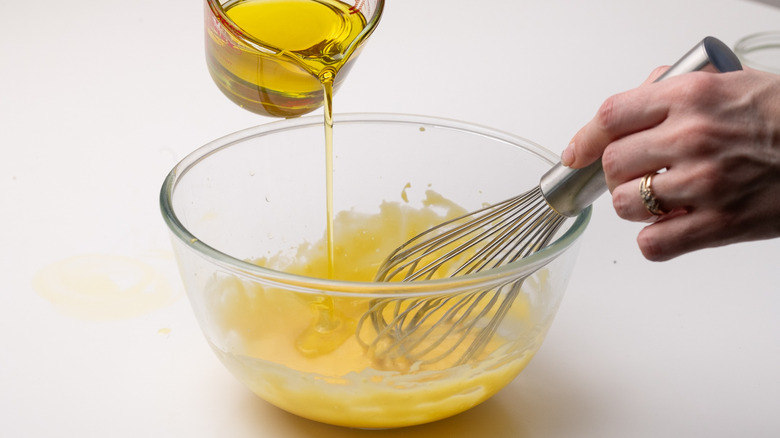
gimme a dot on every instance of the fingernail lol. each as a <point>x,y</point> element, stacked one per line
<point>567,157</point>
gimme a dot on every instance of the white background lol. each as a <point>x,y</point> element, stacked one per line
<point>99,99</point>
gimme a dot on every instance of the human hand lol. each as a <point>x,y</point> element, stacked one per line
<point>718,138</point>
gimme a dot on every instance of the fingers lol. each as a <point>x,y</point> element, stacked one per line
<point>619,116</point>
<point>629,205</point>
<point>691,219</point>
<point>630,158</point>
<point>685,232</point>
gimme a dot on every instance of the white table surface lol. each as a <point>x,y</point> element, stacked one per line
<point>99,99</point>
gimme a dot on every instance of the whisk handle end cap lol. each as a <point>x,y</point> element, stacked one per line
<point>710,54</point>
<point>720,55</point>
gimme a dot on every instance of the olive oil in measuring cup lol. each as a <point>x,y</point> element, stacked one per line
<point>270,56</point>
<point>285,58</point>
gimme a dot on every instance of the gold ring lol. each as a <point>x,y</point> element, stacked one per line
<point>648,198</point>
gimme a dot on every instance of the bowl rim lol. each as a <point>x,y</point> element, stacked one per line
<point>486,279</point>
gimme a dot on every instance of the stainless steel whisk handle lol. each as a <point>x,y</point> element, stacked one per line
<point>569,191</point>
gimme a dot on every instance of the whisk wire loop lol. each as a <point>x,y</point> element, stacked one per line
<point>407,257</point>
<point>414,340</point>
<point>427,330</point>
<point>422,256</point>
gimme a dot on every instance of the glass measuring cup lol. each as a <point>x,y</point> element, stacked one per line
<point>272,56</point>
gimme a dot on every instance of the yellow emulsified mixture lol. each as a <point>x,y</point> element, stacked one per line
<point>301,352</point>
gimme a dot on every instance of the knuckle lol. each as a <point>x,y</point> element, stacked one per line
<point>697,131</point>
<point>622,204</point>
<point>696,84</point>
<point>606,114</point>
<point>650,246</point>
<point>610,161</point>
<point>701,183</point>
<point>700,90</point>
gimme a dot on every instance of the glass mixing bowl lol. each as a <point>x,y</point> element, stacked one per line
<point>247,215</point>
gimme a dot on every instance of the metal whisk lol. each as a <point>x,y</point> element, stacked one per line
<point>428,330</point>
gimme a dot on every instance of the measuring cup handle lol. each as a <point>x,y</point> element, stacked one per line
<point>569,191</point>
